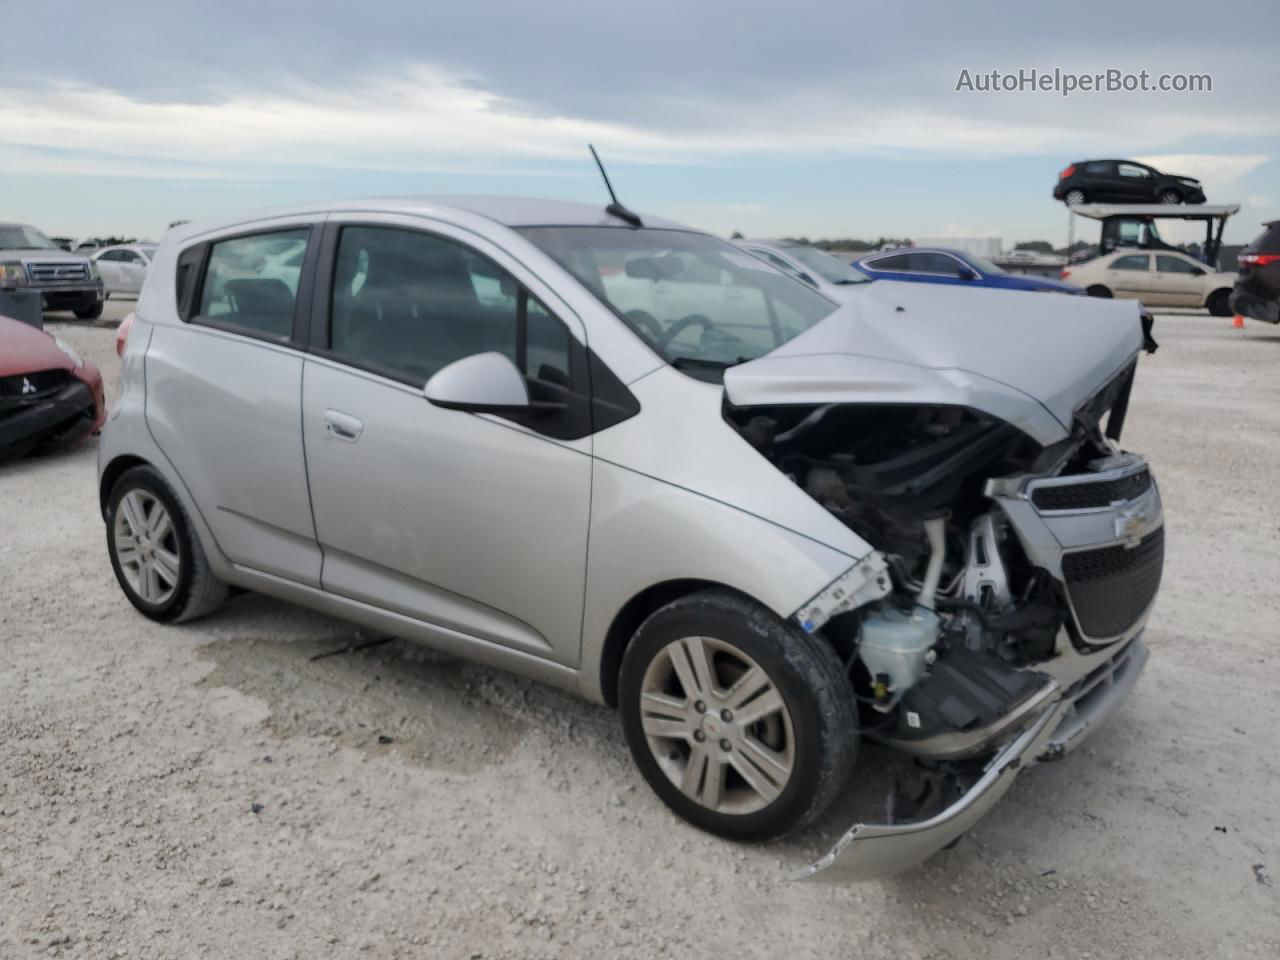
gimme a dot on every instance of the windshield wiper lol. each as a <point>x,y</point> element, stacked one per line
<point>703,364</point>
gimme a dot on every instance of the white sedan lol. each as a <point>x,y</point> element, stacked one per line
<point>123,268</point>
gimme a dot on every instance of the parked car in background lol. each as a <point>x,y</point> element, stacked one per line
<point>1123,181</point>
<point>755,520</point>
<point>65,281</point>
<point>1158,279</point>
<point>48,393</point>
<point>819,269</point>
<point>1257,288</point>
<point>123,268</point>
<point>943,265</point>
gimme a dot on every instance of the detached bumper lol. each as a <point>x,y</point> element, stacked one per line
<point>872,851</point>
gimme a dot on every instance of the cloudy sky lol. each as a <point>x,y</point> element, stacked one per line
<point>810,118</point>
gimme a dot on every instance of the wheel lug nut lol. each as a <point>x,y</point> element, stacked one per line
<point>700,706</point>
<point>726,715</point>
<point>725,745</point>
<point>699,735</point>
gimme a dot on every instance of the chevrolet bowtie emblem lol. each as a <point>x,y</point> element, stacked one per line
<point>1131,525</point>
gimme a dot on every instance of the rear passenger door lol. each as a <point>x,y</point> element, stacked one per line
<point>475,524</point>
<point>1130,276</point>
<point>224,390</point>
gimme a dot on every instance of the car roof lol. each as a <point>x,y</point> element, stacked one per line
<point>892,253</point>
<point>506,210</point>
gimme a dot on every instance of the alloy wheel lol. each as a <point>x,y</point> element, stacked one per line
<point>146,546</point>
<point>717,725</point>
<point>1075,197</point>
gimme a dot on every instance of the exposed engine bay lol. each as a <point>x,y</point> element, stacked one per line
<point>942,654</point>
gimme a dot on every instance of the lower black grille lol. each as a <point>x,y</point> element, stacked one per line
<point>33,386</point>
<point>1081,496</point>
<point>1112,587</point>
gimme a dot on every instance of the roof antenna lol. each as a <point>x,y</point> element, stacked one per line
<point>615,208</point>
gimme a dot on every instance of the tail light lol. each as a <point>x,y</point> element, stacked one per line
<point>1067,172</point>
<point>1258,259</point>
<point>122,334</point>
<point>1064,274</point>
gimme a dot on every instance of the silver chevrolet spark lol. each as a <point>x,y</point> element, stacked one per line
<point>628,458</point>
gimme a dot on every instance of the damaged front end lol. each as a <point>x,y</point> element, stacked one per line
<point>998,620</point>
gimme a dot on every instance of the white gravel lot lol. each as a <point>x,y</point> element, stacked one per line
<point>504,819</point>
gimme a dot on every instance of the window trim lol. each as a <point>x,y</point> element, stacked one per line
<point>189,313</point>
<point>1126,256</point>
<point>925,273</point>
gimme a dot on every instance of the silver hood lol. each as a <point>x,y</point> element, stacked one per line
<point>1028,358</point>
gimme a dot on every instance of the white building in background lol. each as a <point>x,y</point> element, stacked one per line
<point>988,247</point>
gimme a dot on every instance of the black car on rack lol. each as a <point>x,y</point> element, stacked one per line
<point>1123,181</point>
<point>1257,290</point>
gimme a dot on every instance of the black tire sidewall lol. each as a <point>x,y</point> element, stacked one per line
<point>1103,293</point>
<point>759,637</point>
<point>145,478</point>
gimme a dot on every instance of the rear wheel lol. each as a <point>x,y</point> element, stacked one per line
<point>156,556</point>
<point>1098,290</point>
<point>1074,197</point>
<point>1169,196</point>
<point>742,724</point>
<point>1219,303</point>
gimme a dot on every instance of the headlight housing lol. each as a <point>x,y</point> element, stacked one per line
<point>13,274</point>
<point>94,274</point>
<point>70,351</point>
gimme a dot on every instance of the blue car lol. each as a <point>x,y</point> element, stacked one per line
<point>940,265</point>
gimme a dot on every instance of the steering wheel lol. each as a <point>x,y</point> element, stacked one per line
<point>683,324</point>
<point>647,324</point>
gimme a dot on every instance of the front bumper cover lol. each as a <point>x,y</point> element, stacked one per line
<point>71,413</point>
<point>873,851</point>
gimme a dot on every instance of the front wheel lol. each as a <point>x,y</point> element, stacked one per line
<point>89,313</point>
<point>1170,197</point>
<point>156,556</point>
<point>742,725</point>
<point>1098,290</point>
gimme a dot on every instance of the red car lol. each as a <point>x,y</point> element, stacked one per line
<point>48,394</point>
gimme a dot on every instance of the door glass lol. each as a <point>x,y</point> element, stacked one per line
<point>938,263</point>
<point>407,304</point>
<point>251,282</point>
<point>1175,265</point>
<point>897,262</point>
<point>1131,263</point>
<point>1131,170</point>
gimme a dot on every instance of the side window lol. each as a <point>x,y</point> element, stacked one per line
<point>897,262</point>
<point>1133,170</point>
<point>1175,265</point>
<point>128,256</point>
<point>938,263</point>
<point>1132,262</point>
<point>407,304</point>
<point>1100,167</point>
<point>250,283</point>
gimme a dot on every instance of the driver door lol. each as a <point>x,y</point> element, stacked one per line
<point>473,523</point>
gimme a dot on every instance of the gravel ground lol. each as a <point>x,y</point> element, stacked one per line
<point>211,791</point>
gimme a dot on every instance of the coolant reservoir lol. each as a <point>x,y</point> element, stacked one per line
<point>897,644</point>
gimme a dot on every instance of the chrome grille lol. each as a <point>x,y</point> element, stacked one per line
<point>58,271</point>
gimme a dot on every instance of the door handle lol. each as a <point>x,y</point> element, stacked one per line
<point>342,425</point>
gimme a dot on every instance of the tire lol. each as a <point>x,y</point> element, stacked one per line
<point>1169,196</point>
<point>1219,303</point>
<point>89,313</point>
<point>169,595</point>
<point>805,717</point>
<point>1075,197</point>
<point>1098,290</point>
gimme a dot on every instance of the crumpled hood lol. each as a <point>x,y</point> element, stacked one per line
<point>1028,358</point>
<point>24,349</point>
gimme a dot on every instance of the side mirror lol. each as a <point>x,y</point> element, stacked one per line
<point>967,274</point>
<point>480,383</point>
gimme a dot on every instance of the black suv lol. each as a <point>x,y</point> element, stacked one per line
<point>1257,290</point>
<point>1123,181</point>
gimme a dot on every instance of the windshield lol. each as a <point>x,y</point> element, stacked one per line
<point>702,303</point>
<point>148,249</point>
<point>17,236</point>
<point>829,268</point>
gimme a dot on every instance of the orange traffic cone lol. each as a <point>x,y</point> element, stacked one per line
<point>1237,321</point>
